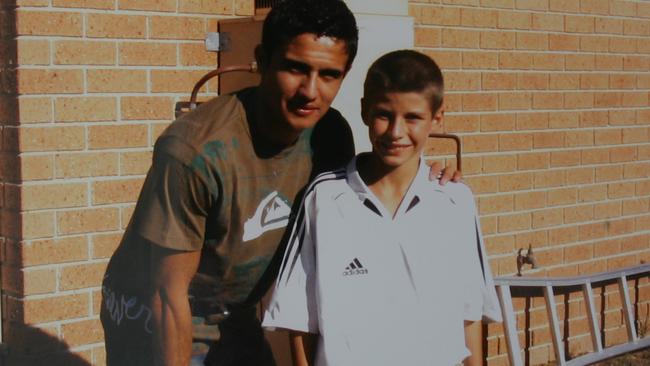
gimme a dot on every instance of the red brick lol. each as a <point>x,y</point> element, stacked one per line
<point>462,123</point>
<point>446,59</point>
<point>194,54</point>
<point>547,218</point>
<point>564,159</point>
<point>87,220</point>
<point>177,81</point>
<point>532,4</point>
<point>592,193</point>
<point>519,141</point>
<point>533,161</point>
<point>580,62</point>
<point>104,245</point>
<point>479,102</point>
<point>607,210</point>
<point>578,214</point>
<point>427,37</point>
<point>497,122</point>
<point>41,81</point>
<point>499,163</point>
<point>594,119</point>
<point>594,43</point>
<point>579,252</point>
<point>43,196</point>
<point>147,54</point>
<point>496,204</point>
<point>578,100</point>
<point>84,53</point>
<point>562,235</point>
<point>146,108</point>
<point>515,182</point>
<point>532,41</point>
<point>482,185</point>
<point>51,138</point>
<point>34,110</point>
<point>635,63</point>
<point>607,99</point>
<point>551,178</point>
<point>636,170</point>
<point>34,311</point>
<point>116,191</point>
<point>635,27</point>
<point>514,101</point>
<point>563,42</point>
<point>176,28</point>
<point>481,18</point>
<point>622,8</point>
<point>564,120</point>
<point>33,52</point>
<point>456,38</point>
<point>579,24</point>
<point>82,332</point>
<point>514,20</point>
<point>548,22</point>
<point>564,6</point>
<point>153,5</point>
<point>497,40</point>
<point>500,244</point>
<point>549,61</point>
<point>480,60</point>
<point>82,275</point>
<point>595,6</point>
<point>48,23</point>
<point>123,26</point>
<point>532,81</point>
<point>117,81</point>
<point>636,206</point>
<point>609,173</point>
<point>543,140</point>
<point>622,45</point>
<point>515,222</point>
<point>609,62</point>
<point>85,109</point>
<point>608,25</point>
<point>116,136</point>
<point>622,154</point>
<point>72,165</point>
<point>206,7</point>
<point>530,200</point>
<point>89,4</point>
<point>515,61</point>
<point>36,167</point>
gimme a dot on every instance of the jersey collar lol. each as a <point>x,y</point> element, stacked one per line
<point>413,196</point>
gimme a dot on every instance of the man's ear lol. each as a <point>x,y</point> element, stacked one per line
<point>438,118</point>
<point>260,58</point>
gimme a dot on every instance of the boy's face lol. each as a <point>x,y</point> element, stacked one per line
<point>399,125</point>
<point>300,81</point>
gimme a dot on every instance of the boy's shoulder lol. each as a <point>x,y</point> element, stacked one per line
<point>458,193</point>
<point>329,181</point>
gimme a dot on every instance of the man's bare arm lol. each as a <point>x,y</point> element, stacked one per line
<point>474,342</point>
<point>171,274</point>
<point>302,348</point>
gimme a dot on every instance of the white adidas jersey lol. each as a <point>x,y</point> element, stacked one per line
<point>378,290</point>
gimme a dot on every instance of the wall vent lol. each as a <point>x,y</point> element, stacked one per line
<point>264,6</point>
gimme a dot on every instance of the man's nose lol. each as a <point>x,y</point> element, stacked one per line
<point>309,86</point>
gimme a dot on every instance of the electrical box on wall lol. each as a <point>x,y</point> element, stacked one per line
<point>238,38</point>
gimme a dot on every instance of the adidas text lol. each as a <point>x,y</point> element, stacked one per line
<point>358,271</point>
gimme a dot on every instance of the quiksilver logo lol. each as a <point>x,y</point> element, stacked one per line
<point>355,268</point>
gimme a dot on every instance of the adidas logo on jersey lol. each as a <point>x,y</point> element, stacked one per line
<point>355,268</point>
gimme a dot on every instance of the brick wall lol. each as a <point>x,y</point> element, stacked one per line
<point>551,100</point>
<point>96,84</point>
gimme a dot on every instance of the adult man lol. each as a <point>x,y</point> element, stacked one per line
<point>215,203</point>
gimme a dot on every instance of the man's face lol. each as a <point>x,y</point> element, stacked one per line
<point>300,81</point>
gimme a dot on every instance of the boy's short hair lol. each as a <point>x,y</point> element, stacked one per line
<point>405,71</point>
<point>325,18</point>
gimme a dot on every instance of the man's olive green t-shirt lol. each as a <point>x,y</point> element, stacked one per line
<point>213,187</point>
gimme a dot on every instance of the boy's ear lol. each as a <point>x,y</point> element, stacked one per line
<point>438,118</point>
<point>364,110</point>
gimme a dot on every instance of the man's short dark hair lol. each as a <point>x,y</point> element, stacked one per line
<point>405,71</point>
<point>325,18</point>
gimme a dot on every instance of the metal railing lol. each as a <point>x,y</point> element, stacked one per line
<point>584,284</point>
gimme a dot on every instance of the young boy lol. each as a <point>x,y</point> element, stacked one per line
<point>362,283</point>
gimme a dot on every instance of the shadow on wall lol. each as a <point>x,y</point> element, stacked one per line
<point>30,346</point>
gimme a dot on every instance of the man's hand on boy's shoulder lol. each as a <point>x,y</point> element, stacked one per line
<point>445,174</point>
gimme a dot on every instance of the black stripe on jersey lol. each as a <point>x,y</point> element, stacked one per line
<point>299,223</point>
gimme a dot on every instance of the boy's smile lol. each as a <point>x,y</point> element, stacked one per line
<point>399,125</point>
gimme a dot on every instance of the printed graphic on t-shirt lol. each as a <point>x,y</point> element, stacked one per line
<point>272,213</point>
